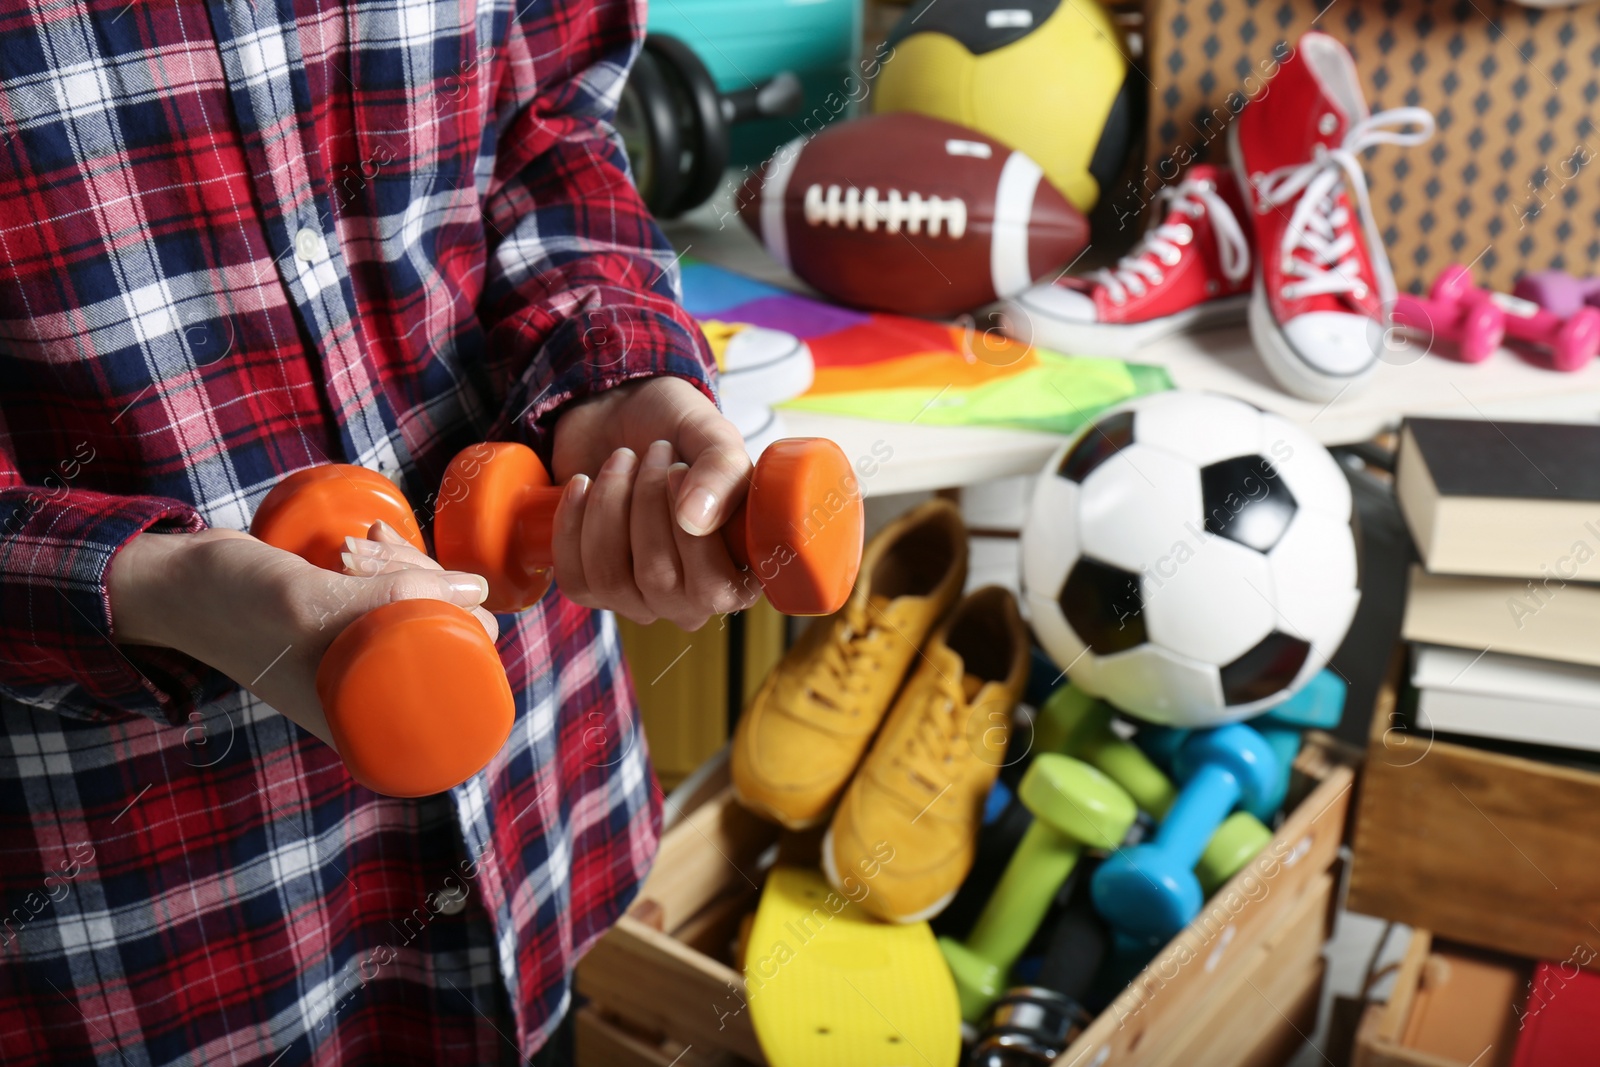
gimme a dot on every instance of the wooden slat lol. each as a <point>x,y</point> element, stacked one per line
<point>1477,846</point>
<point>1236,919</point>
<point>714,928</point>
<point>708,782</point>
<point>1392,1024</point>
<point>661,985</point>
<point>1262,1002</point>
<point>715,845</point>
<point>596,1043</point>
<point>601,1043</point>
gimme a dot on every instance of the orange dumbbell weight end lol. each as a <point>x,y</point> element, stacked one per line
<point>414,692</point>
<point>799,530</point>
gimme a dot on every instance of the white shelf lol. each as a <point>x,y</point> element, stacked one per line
<point>1224,361</point>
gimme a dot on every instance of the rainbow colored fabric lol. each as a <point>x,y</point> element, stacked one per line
<point>899,369</point>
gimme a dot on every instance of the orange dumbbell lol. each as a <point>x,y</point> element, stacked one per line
<point>799,530</point>
<point>414,692</point>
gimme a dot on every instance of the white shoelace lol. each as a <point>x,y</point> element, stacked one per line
<point>1318,223</point>
<point>1161,245</point>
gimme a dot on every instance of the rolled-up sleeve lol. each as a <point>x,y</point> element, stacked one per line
<point>581,283</point>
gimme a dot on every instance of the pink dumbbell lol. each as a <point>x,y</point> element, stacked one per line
<point>1558,292</point>
<point>1476,325</point>
<point>1569,341</point>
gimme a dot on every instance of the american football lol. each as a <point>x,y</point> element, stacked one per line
<point>910,214</point>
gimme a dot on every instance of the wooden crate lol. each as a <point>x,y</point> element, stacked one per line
<point>1382,1040</point>
<point>1474,845</point>
<point>1230,989</point>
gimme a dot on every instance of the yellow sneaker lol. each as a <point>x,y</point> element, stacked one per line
<point>805,731</point>
<point>907,826</point>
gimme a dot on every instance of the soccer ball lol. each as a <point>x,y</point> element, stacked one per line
<point>1191,559</point>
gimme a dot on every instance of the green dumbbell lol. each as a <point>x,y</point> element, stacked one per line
<point>1230,849</point>
<point>1076,724</point>
<point>1074,807</point>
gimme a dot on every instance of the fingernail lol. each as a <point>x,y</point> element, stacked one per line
<point>387,532</point>
<point>578,488</point>
<point>659,454</point>
<point>695,511</point>
<point>358,546</point>
<point>473,585</point>
<point>360,564</point>
<point>621,462</point>
<point>675,475</point>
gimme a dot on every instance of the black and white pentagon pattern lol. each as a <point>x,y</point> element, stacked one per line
<point>1265,671</point>
<point>1190,558</point>
<point>1103,605</point>
<point>1246,501</point>
<point>1103,439</point>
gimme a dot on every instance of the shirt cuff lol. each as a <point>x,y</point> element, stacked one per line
<point>56,550</point>
<point>581,360</point>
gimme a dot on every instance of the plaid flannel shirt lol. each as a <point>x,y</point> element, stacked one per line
<point>238,238</point>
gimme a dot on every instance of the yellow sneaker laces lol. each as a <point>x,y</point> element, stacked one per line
<point>848,661</point>
<point>937,738</point>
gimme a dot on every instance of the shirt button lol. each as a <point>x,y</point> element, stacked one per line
<point>307,244</point>
<point>452,903</point>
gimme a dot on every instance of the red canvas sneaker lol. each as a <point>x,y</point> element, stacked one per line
<point>1189,270</point>
<point>1323,286</point>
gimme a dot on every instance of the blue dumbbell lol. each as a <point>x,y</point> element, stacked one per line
<point>1161,744</point>
<point>1150,891</point>
<point>1285,743</point>
<point>1319,705</point>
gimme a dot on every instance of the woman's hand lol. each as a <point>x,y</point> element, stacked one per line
<point>636,530</point>
<point>263,616</point>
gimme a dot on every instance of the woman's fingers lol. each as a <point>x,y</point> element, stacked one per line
<point>719,470</point>
<point>382,552</point>
<point>657,572</point>
<point>606,548</point>
<point>566,540</point>
<point>712,583</point>
<point>490,624</point>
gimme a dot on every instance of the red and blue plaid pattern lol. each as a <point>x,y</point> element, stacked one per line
<point>237,238</point>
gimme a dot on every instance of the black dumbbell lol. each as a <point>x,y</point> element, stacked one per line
<point>1034,1024</point>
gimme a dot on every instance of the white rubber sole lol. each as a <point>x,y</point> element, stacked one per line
<point>1291,370</point>
<point>1118,340</point>
<point>831,873</point>
<point>1288,367</point>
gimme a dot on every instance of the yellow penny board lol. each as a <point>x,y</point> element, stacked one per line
<point>830,986</point>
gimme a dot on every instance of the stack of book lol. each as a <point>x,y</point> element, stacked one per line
<point>1505,609</point>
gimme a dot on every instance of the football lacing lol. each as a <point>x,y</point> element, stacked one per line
<point>867,209</point>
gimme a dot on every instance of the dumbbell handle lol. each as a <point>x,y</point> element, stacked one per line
<point>1043,860</point>
<point>798,530</point>
<point>1125,764</point>
<point>1075,724</point>
<point>1572,340</point>
<point>1476,326</point>
<point>1206,799</point>
<point>532,538</point>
